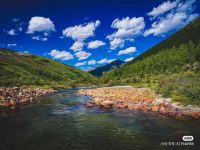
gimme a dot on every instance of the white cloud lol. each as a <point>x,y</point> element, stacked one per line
<point>17,27</point>
<point>105,60</point>
<point>11,45</point>
<point>162,8</point>
<point>174,20</point>
<point>127,29</point>
<point>26,52</point>
<point>15,20</point>
<point>80,63</point>
<point>129,59</point>
<point>39,38</point>
<point>20,29</point>
<point>40,24</point>
<point>77,46</point>
<point>63,55</point>
<point>82,31</point>
<point>95,44</point>
<point>12,32</point>
<point>127,51</point>
<point>116,42</point>
<point>92,62</point>
<point>82,55</point>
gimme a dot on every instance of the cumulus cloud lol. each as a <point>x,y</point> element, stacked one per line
<point>82,55</point>
<point>127,51</point>
<point>80,63</point>
<point>11,45</point>
<point>77,46</point>
<point>11,32</point>
<point>127,29</point>
<point>174,19</point>
<point>162,8</point>
<point>40,24</point>
<point>92,62</point>
<point>40,28</point>
<point>105,60</point>
<point>63,55</point>
<point>82,31</point>
<point>95,44</point>
<point>116,42</point>
<point>129,59</point>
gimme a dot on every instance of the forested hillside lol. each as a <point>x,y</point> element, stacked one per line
<point>27,69</point>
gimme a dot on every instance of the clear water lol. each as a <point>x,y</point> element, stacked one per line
<point>61,122</point>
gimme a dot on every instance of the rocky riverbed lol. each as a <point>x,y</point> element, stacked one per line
<point>11,96</point>
<point>141,99</point>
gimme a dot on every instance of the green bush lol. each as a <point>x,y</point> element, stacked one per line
<point>183,87</point>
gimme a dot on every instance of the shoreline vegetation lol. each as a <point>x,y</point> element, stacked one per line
<point>12,96</point>
<point>138,99</point>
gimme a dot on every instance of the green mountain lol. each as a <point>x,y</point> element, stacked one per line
<point>27,69</point>
<point>102,69</point>
<point>171,66</point>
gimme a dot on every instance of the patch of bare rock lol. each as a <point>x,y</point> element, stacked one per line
<point>142,99</point>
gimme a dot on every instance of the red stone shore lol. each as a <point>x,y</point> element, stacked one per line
<point>12,96</point>
<point>142,99</point>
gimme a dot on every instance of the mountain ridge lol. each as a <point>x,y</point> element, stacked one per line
<point>98,71</point>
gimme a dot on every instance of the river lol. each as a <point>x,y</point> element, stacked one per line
<point>60,121</point>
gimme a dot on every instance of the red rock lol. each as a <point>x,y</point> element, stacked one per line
<point>107,104</point>
<point>12,103</point>
<point>162,109</point>
<point>121,105</point>
<point>144,108</point>
<point>154,108</point>
<point>89,104</point>
<point>195,115</point>
<point>133,107</point>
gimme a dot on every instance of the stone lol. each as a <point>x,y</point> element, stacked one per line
<point>195,115</point>
<point>155,108</point>
<point>12,103</point>
<point>121,105</point>
<point>89,104</point>
<point>107,104</point>
<point>144,108</point>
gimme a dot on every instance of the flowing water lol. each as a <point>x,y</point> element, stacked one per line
<point>60,121</point>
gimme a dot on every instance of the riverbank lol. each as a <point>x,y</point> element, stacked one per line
<point>141,99</point>
<point>12,96</point>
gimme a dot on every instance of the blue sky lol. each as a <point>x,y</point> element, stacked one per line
<point>91,33</point>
